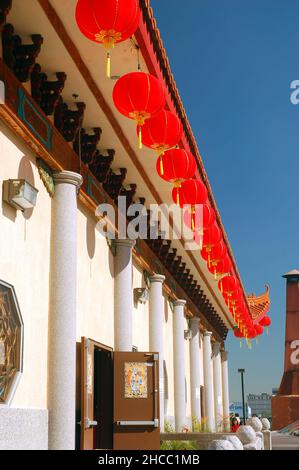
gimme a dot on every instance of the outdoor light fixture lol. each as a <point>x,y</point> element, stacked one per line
<point>141,295</point>
<point>20,194</point>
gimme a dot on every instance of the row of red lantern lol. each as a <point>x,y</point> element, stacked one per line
<point>141,97</point>
<point>233,296</point>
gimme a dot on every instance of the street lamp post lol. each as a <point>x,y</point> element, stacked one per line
<point>243,397</point>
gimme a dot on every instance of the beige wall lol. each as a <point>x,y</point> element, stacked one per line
<point>95,288</point>
<point>140,322</point>
<point>24,262</point>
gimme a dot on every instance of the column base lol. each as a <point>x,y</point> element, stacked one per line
<point>285,410</point>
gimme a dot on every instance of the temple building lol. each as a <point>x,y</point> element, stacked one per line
<point>104,343</point>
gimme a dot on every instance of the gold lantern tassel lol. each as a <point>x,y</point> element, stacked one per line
<point>240,344</point>
<point>192,221</point>
<point>257,341</point>
<point>215,273</point>
<point>178,197</point>
<point>267,331</point>
<point>161,165</point>
<point>108,65</point>
<point>140,137</point>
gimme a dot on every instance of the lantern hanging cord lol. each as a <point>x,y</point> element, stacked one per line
<point>137,48</point>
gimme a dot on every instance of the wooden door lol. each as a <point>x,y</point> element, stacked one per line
<point>87,394</point>
<point>96,424</point>
<point>136,401</point>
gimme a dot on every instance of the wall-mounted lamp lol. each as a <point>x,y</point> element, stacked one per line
<point>141,295</point>
<point>188,334</point>
<point>20,194</point>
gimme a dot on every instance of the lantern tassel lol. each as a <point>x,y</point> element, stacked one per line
<point>192,222</point>
<point>178,197</point>
<point>140,137</point>
<point>161,165</point>
<point>108,65</point>
<point>240,344</point>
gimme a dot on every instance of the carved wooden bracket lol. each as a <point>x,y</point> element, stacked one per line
<point>45,92</point>
<point>68,121</point>
<point>88,144</point>
<point>101,164</point>
<point>20,57</point>
<point>129,192</point>
<point>5,7</point>
<point>114,182</point>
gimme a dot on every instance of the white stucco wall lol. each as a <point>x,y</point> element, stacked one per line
<point>24,263</point>
<point>95,286</point>
<point>140,322</point>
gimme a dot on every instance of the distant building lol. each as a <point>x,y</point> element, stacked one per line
<point>275,391</point>
<point>260,404</point>
<point>237,408</point>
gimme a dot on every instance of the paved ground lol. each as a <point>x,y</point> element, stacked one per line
<point>284,442</point>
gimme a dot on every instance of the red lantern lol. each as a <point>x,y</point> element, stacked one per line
<point>162,132</point>
<point>211,236</point>
<point>238,333</point>
<point>139,96</point>
<point>228,285</point>
<point>199,219</point>
<point>108,22</point>
<point>258,329</point>
<point>190,192</point>
<point>177,166</point>
<point>224,266</point>
<point>265,321</point>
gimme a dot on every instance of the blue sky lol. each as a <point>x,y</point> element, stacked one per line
<point>234,61</point>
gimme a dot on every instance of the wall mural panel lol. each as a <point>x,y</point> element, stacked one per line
<point>136,380</point>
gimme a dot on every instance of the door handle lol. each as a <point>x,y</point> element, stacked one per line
<point>154,423</point>
<point>89,423</point>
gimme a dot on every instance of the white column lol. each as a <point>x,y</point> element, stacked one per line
<point>179,365</point>
<point>217,387</point>
<point>195,369</point>
<point>123,295</point>
<point>225,390</point>
<point>62,312</point>
<point>156,332</point>
<point>208,381</point>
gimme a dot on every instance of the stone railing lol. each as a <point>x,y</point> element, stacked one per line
<point>204,440</point>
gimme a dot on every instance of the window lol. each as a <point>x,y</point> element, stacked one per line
<point>11,342</point>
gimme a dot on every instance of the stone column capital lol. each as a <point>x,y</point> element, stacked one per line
<point>179,303</point>
<point>224,356</point>
<point>207,333</point>
<point>68,177</point>
<point>124,242</point>
<point>157,278</point>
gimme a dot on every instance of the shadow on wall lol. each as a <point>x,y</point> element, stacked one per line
<point>91,237</point>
